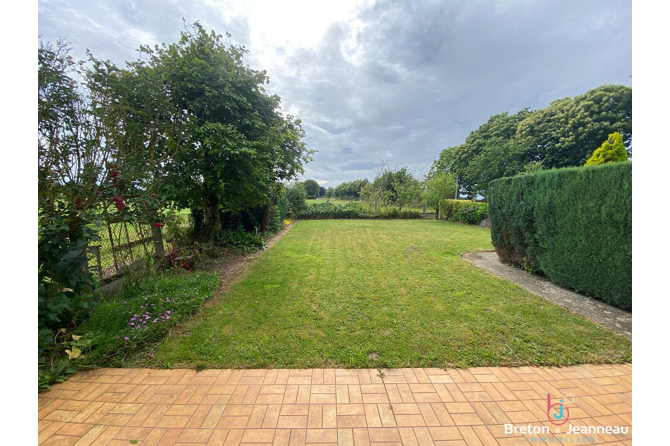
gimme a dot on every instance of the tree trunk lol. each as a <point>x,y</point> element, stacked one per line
<point>75,233</point>
<point>211,221</point>
<point>265,222</point>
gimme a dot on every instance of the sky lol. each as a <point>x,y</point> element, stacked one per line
<point>397,81</point>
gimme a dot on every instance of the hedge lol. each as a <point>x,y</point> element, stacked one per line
<point>472,213</point>
<point>449,207</point>
<point>573,225</point>
<point>322,211</point>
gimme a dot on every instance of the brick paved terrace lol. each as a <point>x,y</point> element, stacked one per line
<point>344,406</point>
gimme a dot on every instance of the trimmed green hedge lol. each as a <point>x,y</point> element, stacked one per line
<point>449,207</point>
<point>573,225</point>
<point>323,211</point>
<point>472,213</point>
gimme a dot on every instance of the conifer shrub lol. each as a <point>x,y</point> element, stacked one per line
<point>573,225</point>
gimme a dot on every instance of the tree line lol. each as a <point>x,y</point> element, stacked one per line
<point>591,128</point>
<point>564,134</point>
<point>393,186</point>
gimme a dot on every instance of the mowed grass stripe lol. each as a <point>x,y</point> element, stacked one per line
<point>330,292</point>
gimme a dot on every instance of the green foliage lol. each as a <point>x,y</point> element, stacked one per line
<point>312,188</point>
<point>279,212</point>
<point>330,210</point>
<point>321,211</point>
<point>573,225</point>
<point>449,207</point>
<point>438,186</point>
<point>351,189</point>
<point>489,152</point>
<point>560,135</point>
<point>612,151</point>
<point>472,213</point>
<point>396,187</point>
<point>233,149</point>
<point>237,239</point>
<point>296,196</point>
<point>564,133</point>
<point>156,307</point>
<point>532,167</point>
<point>51,373</point>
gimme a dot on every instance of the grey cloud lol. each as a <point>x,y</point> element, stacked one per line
<point>416,78</point>
<point>358,165</point>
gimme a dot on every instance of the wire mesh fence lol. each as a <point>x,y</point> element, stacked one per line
<point>123,245</point>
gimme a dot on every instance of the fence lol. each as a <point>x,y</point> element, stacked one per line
<point>124,245</point>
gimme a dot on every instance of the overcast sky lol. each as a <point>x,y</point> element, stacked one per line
<point>391,80</point>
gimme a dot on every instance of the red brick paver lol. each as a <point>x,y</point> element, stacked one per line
<point>477,406</point>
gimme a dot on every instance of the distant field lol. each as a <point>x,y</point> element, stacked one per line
<point>416,207</point>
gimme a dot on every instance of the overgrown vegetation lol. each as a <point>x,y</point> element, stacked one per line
<point>129,323</point>
<point>131,320</point>
<point>573,225</point>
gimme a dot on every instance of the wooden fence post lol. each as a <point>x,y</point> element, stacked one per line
<point>159,249</point>
<point>111,244</point>
<point>99,261</point>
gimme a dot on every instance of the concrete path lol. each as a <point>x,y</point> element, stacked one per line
<point>611,317</point>
<point>476,406</point>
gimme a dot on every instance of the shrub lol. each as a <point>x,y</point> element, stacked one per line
<point>237,238</point>
<point>472,213</point>
<point>573,225</point>
<point>322,211</point>
<point>296,196</point>
<point>409,214</point>
<point>612,151</point>
<point>330,210</point>
<point>449,207</point>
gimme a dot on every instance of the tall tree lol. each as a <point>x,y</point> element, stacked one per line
<point>489,152</point>
<point>312,188</point>
<point>238,148</point>
<point>437,187</point>
<point>396,187</point>
<point>567,132</point>
<point>563,134</point>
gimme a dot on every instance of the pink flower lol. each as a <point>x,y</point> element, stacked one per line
<point>159,225</point>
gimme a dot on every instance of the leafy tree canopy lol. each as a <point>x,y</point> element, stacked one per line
<point>312,188</point>
<point>563,134</point>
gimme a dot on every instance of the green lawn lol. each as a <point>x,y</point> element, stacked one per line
<point>330,292</point>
